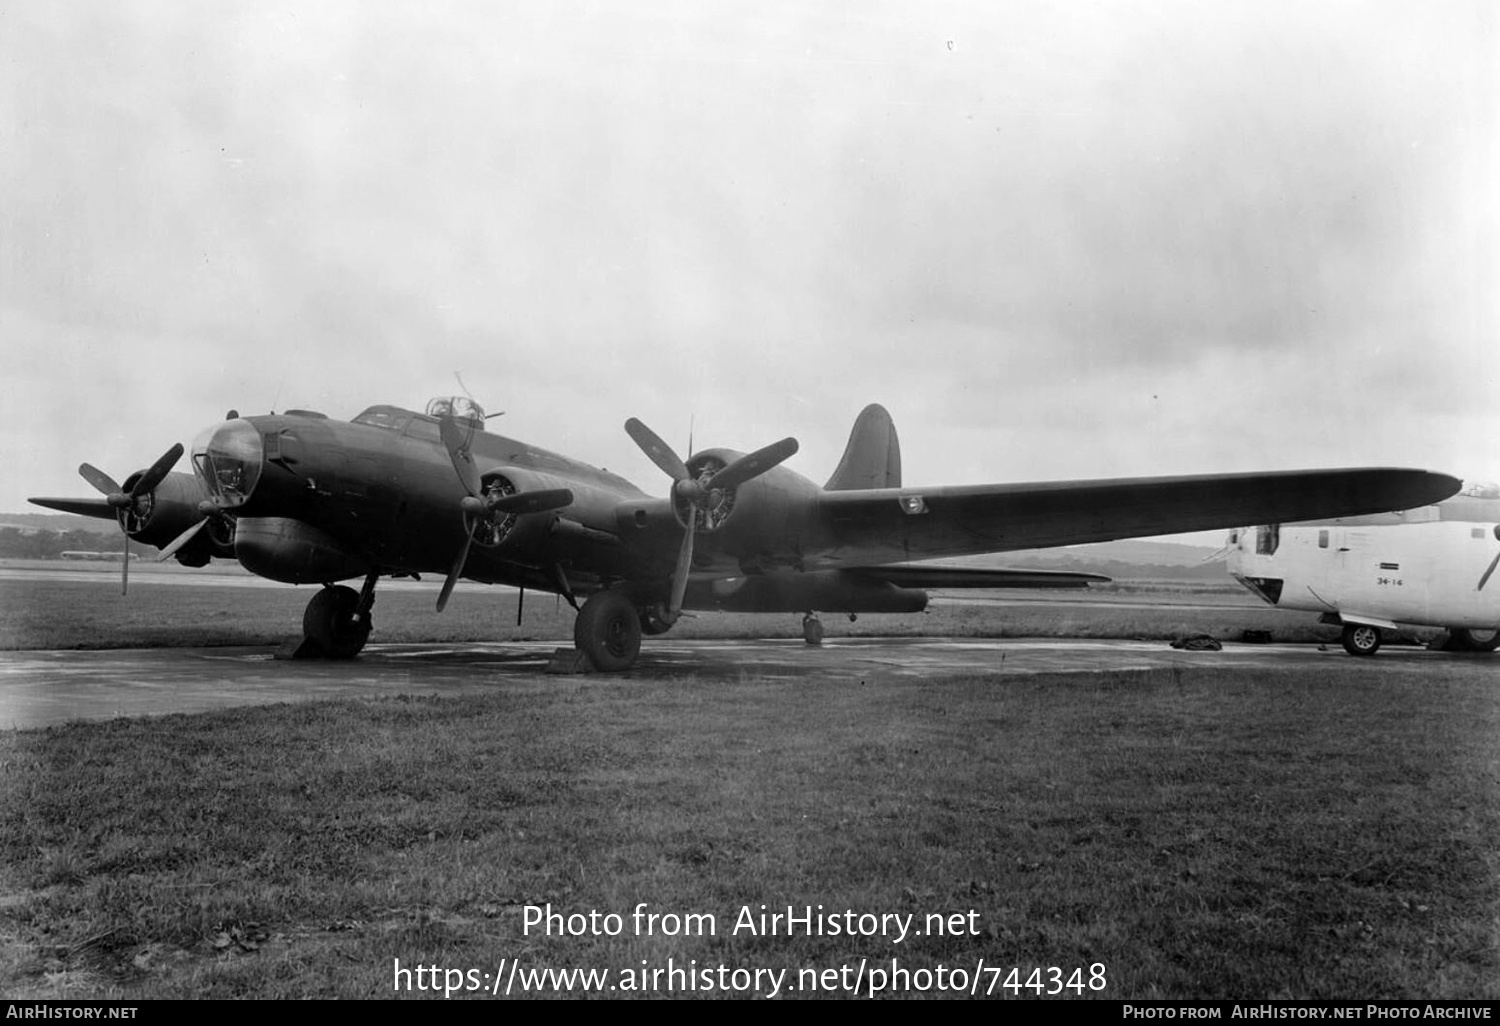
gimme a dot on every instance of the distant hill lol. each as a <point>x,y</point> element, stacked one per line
<point>59,522</point>
<point>1122,560</point>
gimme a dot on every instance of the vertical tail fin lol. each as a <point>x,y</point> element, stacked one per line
<point>872,459</point>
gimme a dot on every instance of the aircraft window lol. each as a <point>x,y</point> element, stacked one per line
<point>1322,539</point>
<point>383,417</point>
<point>427,430</point>
<point>1476,532</point>
<point>1267,539</point>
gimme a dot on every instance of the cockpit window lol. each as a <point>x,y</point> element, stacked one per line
<point>390,418</point>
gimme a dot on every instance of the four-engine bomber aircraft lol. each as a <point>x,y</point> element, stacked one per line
<point>303,499</point>
<point>1428,566</point>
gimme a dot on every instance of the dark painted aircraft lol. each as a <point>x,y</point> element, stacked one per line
<point>304,499</point>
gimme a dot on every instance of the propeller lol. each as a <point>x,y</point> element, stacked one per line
<point>208,510</point>
<point>480,508</point>
<point>700,494</point>
<point>1485,577</point>
<point>130,511</point>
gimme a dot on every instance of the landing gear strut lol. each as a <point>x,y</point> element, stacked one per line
<point>608,631</point>
<point>812,629</point>
<point>337,619</point>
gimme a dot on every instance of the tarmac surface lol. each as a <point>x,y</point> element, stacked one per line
<point>41,688</point>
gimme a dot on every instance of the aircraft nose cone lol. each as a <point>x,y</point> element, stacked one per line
<point>228,461</point>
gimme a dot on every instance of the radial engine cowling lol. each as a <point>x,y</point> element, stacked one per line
<point>162,514</point>
<point>766,514</point>
<point>293,552</point>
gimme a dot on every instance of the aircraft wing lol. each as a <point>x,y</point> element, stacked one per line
<point>978,577</point>
<point>867,527</point>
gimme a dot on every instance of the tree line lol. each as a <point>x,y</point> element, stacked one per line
<point>18,544</point>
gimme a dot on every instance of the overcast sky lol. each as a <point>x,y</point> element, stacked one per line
<point>1055,240</point>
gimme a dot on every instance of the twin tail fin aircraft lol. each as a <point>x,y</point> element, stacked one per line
<point>304,499</point>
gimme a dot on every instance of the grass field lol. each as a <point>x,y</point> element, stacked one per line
<point>1195,832</point>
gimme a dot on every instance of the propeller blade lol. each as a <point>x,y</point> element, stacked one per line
<point>159,470</point>
<point>1486,578</point>
<point>656,450</point>
<point>101,481</point>
<point>684,566</point>
<point>181,540</point>
<point>532,502</point>
<point>125,566</point>
<point>455,572</point>
<point>98,508</point>
<point>456,440</point>
<point>753,465</point>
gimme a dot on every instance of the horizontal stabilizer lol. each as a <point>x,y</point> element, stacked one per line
<point>975,577</point>
<point>83,507</point>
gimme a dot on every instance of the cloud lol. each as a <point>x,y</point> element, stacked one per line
<point>1011,224</point>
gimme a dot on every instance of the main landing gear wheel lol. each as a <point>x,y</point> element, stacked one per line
<point>1468,639</point>
<point>812,629</point>
<point>1361,639</point>
<point>608,631</point>
<point>334,623</point>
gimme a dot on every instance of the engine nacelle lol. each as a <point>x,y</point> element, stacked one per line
<point>160,515</point>
<point>830,591</point>
<point>293,552</point>
<point>768,514</point>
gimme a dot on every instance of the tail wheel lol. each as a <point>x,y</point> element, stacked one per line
<point>608,631</point>
<point>333,622</point>
<point>812,629</point>
<point>1471,640</point>
<point>1361,639</point>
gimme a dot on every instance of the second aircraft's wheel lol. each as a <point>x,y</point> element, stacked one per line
<point>608,631</point>
<point>1468,639</point>
<point>812,630</point>
<point>332,621</point>
<point>1361,639</point>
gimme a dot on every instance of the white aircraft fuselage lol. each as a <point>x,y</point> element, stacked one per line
<point>1435,566</point>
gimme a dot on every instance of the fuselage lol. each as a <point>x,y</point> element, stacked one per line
<point>317,500</point>
<point>1418,568</point>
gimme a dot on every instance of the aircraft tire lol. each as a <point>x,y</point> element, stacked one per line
<point>1361,639</point>
<point>332,623</point>
<point>608,631</point>
<point>1466,639</point>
